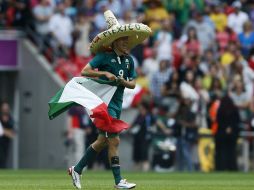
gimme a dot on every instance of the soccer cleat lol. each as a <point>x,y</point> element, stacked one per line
<point>75,177</point>
<point>123,184</point>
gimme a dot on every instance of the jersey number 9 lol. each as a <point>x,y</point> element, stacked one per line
<point>121,73</point>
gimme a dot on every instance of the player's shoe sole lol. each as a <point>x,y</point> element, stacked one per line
<point>124,187</point>
<point>123,184</point>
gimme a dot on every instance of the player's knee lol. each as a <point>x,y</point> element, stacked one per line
<point>114,142</point>
<point>99,144</point>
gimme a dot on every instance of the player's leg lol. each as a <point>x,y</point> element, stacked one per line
<point>90,155</point>
<point>113,143</point>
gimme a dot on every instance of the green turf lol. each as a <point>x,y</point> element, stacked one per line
<point>57,179</point>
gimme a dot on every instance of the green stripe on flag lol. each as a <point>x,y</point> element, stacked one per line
<point>56,108</point>
<point>57,96</point>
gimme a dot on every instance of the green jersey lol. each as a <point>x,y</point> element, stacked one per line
<point>122,66</point>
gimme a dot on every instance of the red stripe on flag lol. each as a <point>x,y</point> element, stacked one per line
<point>101,114</point>
<point>118,125</point>
<point>104,122</point>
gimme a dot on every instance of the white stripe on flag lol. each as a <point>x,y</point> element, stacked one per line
<point>104,91</point>
<point>75,92</point>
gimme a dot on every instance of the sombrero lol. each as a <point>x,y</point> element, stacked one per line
<point>137,33</point>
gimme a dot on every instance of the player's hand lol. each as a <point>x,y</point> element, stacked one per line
<point>120,81</point>
<point>110,76</point>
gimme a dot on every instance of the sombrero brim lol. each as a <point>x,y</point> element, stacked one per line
<point>136,32</point>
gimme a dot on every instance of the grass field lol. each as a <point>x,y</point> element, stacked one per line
<point>57,179</point>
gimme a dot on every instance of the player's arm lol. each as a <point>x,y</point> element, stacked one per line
<point>128,84</point>
<point>88,71</point>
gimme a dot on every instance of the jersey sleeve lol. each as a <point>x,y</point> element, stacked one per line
<point>132,73</point>
<point>97,61</point>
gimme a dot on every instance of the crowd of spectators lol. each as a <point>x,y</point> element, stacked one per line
<point>197,66</point>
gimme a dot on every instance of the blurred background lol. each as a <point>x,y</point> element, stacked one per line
<point>192,109</point>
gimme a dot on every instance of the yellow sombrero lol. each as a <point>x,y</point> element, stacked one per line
<point>137,33</point>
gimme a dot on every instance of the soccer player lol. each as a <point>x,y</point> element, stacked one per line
<point>117,66</point>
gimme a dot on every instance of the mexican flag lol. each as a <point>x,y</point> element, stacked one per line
<point>94,95</point>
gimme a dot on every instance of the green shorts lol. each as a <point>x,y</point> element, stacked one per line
<point>115,114</point>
